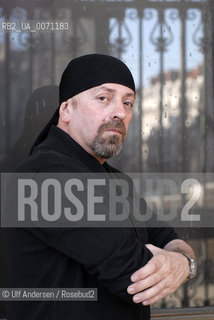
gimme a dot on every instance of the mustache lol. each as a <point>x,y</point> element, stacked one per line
<point>115,124</point>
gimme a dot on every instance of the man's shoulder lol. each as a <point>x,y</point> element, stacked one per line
<point>47,160</point>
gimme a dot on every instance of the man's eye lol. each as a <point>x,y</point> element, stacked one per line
<point>102,98</point>
<point>128,104</point>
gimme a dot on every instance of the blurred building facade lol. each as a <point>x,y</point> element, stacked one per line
<point>172,121</point>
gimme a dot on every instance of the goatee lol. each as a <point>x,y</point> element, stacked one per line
<point>106,147</point>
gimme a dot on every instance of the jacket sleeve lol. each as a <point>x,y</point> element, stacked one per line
<point>110,254</point>
<point>159,237</point>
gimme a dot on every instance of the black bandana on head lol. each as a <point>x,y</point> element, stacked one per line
<point>86,72</point>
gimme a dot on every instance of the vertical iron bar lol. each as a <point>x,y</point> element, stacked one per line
<point>206,113</point>
<point>7,90</point>
<point>75,38</point>
<point>183,89</point>
<point>205,22</point>
<point>206,279</point>
<point>185,299</point>
<point>119,38</point>
<point>30,57</point>
<point>53,58</point>
<point>209,83</point>
<point>140,88</point>
<point>161,163</point>
<point>30,14</point>
<point>102,38</point>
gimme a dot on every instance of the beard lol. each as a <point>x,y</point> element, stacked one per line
<point>106,147</point>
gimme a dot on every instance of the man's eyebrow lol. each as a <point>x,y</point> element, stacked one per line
<point>104,88</point>
<point>128,94</point>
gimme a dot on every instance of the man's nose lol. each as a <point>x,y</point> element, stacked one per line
<point>119,111</point>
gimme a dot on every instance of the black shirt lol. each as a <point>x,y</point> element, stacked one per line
<point>102,258</point>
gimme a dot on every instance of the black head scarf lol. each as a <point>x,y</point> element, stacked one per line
<point>86,72</point>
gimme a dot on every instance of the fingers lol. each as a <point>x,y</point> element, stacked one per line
<point>152,294</point>
<point>154,250</point>
<point>162,275</point>
<point>144,284</point>
<point>162,294</point>
<point>150,268</point>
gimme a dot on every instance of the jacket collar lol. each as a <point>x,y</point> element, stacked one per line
<point>59,141</point>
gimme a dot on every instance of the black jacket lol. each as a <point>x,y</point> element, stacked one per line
<point>102,258</point>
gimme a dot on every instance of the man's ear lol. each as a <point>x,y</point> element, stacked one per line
<point>64,112</point>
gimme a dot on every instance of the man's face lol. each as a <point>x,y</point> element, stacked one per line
<point>100,117</point>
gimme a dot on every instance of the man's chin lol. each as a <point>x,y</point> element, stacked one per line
<point>107,147</point>
<point>109,151</point>
<point>113,138</point>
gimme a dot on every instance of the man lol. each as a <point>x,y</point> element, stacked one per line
<point>130,267</point>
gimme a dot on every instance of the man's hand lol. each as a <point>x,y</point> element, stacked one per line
<point>162,275</point>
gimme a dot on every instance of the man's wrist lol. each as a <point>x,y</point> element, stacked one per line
<point>192,266</point>
<point>183,248</point>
